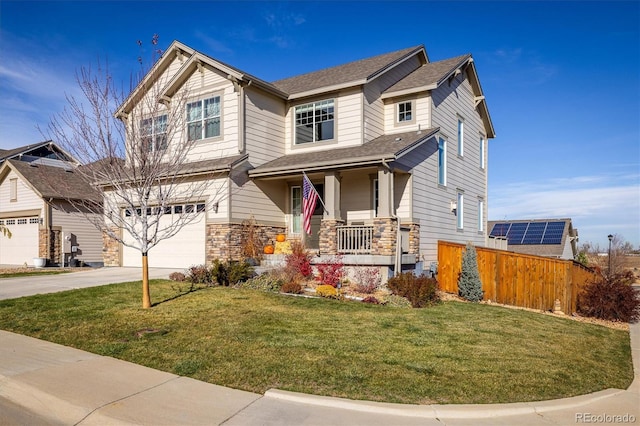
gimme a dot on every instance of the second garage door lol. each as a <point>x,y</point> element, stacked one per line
<point>185,249</point>
<point>22,247</point>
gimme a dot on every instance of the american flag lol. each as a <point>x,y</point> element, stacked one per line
<point>309,199</point>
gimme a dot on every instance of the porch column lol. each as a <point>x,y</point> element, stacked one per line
<point>385,192</point>
<point>332,196</point>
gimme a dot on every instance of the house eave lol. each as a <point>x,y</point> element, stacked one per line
<point>327,89</point>
<point>410,91</point>
<point>320,166</point>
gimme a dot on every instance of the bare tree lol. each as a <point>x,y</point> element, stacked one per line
<point>613,260</point>
<point>138,159</point>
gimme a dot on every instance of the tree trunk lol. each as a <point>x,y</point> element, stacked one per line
<point>146,295</point>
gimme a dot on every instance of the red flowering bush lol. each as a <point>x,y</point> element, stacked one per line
<point>331,273</point>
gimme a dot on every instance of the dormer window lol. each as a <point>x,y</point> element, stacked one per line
<point>203,119</point>
<point>405,112</point>
<point>153,133</point>
<point>314,122</point>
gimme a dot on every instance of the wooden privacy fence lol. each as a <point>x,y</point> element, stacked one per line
<point>517,279</point>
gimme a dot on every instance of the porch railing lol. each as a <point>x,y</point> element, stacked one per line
<point>355,239</point>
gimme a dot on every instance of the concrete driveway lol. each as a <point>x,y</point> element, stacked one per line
<point>11,288</point>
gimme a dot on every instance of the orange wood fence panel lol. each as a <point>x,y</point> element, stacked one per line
<point>517,279</point>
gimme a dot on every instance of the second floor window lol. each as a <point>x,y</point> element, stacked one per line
<point>442,161</point>
<point>460,137</point>
<point>314,122</point>
<point>153,133</point>
<point>405,112</point>
<point>203,119</point>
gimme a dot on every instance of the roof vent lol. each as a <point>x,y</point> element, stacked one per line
<point>33,164</point>
<point>398,139</point>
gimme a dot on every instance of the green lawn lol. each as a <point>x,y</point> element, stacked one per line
<point>8,273</point>
<point>451,353</point>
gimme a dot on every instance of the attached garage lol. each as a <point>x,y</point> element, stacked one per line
<point>183,250</point>
<point>22,247</point>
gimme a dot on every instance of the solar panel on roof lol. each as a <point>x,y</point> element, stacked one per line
<point>553,233</point>
<point>516,233</point>
<point>500,229</point>
<point>534,234</point>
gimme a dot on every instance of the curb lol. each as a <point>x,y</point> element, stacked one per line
<point>437,411</point>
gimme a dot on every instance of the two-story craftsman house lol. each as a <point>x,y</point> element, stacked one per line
<point>396,146</point>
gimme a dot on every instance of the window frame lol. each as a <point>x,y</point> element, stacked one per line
<point>460,136</point>
<point>13,190</point>
<point>153,140</point>
<point>460,210</point>
<point>442,161</point>
<point>482,152</point>
<point>315,106</point>
<point>412,111</point>
<point>202,120</point>
<point>480,215</point>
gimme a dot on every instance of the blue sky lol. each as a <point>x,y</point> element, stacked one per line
<point>562,79</point>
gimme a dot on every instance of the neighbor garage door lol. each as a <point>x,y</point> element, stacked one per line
<point>22,247</point>
<point>185,249</point>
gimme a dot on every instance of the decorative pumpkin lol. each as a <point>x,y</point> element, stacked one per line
<point>268,249</point>
<point>280,238</point>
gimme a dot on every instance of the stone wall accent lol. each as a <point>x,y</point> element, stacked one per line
<point>328,235</point>
<point>225,241</point>
<point>384,236</point>
<point>43,243</point>
<point>56,246</point>
<point>110,249</point>
<point>414,238</point>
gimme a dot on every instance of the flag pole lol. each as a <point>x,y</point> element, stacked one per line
<point>314,190</point>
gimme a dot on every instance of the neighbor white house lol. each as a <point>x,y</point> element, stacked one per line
<point>396,146</point>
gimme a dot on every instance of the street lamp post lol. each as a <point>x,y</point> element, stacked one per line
<point>610,237</point>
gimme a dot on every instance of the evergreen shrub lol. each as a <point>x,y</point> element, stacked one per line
<point>469,284</point>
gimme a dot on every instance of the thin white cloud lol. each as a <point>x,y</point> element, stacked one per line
<point>594,203</point>
<point>213,44</point>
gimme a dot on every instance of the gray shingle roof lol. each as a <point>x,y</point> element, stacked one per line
<point>352,71</point>
<point>56,182</point>
<point>428,74</point>
<point>386,147</point>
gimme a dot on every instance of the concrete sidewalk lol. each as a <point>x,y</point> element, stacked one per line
<point>58,385</point>
<point>11,288</point>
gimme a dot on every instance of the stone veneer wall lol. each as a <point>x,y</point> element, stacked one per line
<point>328,236</point>
<point>384,236</point>
<point>49,245</point>
<point>225,240</point>
<point>110,250</point>
<point>414,238</point>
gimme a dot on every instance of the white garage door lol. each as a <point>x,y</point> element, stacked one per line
<point>185,249</point>
<point>22,247</point>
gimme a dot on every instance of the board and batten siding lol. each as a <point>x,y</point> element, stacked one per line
<point>26,198</point>
<point>265,201</point>
<point>87,237</point>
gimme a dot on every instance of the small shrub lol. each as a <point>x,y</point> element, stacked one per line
<point>292,287</point>
<point>177,276</point>
<point>396,301</point>
<point>371,299</point>
<point>264,282</point>
<point>331,273</point>
<point>610,298</point>
<point>199,274</point>
<point>299,261</point>
<point>367,280</point>
<point>469,284</point>
<point>230,272</point>
<point>420,290</point>
<point>238,271</point>
<point>326,290</point>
